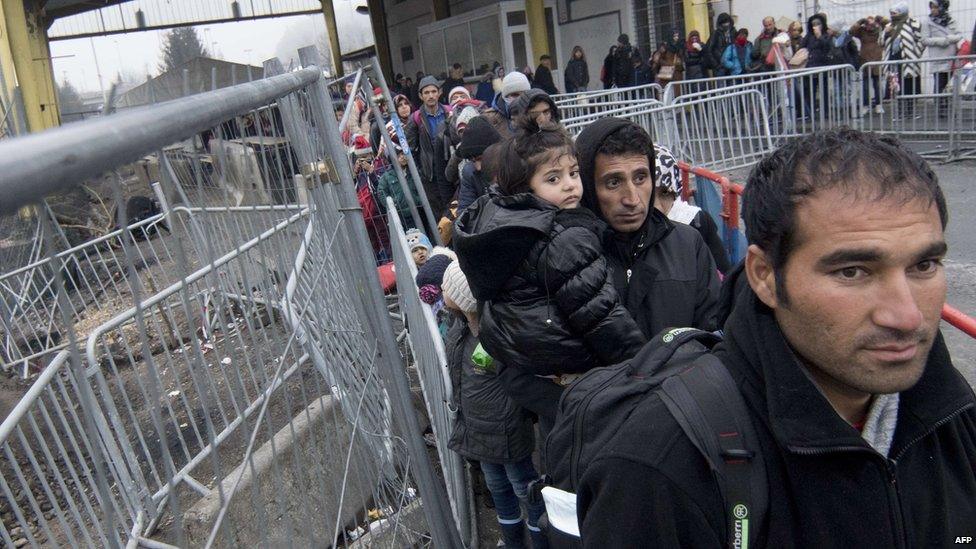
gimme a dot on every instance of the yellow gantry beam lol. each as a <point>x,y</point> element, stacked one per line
<point>333,31</point>
<point>696,18</point>
<point>535,12</point>
<point>25,60</point>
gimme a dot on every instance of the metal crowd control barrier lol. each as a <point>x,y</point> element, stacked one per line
<point>722,131</point>
<point>926,100</point>
<point>612,95</point>
<point>727,214</point>
<point>234,381</point>
<point>798,102</point>
<point>426,347</point>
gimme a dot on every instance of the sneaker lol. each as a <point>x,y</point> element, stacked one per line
<point>865,111</point>
<point>878,109</point>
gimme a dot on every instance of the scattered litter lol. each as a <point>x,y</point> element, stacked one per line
<point>183,425</point>
<point>374,514</point>
<point>378,525</point>
<point>357,533</point>
<point>225,361</point>
<point>174,394</point>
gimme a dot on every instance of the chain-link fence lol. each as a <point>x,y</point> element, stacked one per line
<point>221,369</point>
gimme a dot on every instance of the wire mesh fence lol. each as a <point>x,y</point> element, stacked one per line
<point>426,347</point>
<point>221,369</point>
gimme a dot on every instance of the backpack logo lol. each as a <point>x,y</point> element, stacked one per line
<point>671,334</point>
<point>741,527</point>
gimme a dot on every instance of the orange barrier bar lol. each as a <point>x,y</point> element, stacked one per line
<point>730,213</point>
<point>959,319</point>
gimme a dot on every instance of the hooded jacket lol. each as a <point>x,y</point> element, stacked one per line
<point>663,272</point>
<point>500,117</point>
<point>827,486</point>
<point>547,303</point>
<point>524,102</point>
<point>717,43</point>
<point>490,427</point>
<point>818,48</point>
<point>543,80</point>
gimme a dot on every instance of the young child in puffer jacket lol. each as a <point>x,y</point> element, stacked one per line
<point>535,263</point>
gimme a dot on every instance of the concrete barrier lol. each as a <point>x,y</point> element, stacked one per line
<point>293,489</point>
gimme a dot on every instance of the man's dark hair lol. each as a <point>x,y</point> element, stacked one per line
<point>864,165</point>
<point>630,139</point>
<point>544,57</point>
<point>456,66</point>
<point>517,158</point>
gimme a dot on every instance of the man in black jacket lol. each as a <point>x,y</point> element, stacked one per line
<point>543,76</point>
<point>424,138</point>
<point>867,431</point>
<point>662,271</point>
<point>722,36</point>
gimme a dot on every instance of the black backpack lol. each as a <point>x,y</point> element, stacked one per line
<point>701,395</point>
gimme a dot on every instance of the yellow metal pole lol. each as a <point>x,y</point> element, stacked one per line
<point>333,30</point>
<point>25,59</point>
<point>377,19</point>
<point>696,17</point>
<point>535,12</point>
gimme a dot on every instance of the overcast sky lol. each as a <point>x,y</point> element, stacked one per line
<point>243,42</point>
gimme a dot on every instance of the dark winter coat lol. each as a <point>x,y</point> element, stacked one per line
<point>543,80</point>
<point>389,186</point>
<point>474,185</point>
<point>817,48</point>
<point>827,486</point>
<point>548,305</point>
<point>717,43</point>
<point>622,66</point>
<point>429,154</point>
<point>490,427</point>
<point>577,75</point>
<point>606,74</point>
<point>663,272</point>
<point>499,117</point>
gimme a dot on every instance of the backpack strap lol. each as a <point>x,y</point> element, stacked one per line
<point>708,406</point>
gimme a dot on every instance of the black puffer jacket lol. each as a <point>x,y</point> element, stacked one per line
<point>490,427</point>
<point>548,305</point>
<point>818,48</point>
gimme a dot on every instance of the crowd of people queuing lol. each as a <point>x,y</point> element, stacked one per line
<point>560,257</point>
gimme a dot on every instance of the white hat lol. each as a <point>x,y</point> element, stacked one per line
<point>455,286</point>
<point>515,82</point>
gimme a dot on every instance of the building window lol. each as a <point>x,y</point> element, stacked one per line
<point>406,53</point>
<point>668,15</point>
<point>516,18</point>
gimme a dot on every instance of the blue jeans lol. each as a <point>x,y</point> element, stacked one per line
<point>509,484</point>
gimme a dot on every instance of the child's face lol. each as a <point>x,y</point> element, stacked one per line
<point>419,255</point>
<point>557,181</point>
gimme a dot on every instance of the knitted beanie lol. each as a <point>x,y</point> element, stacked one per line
<point>456,287</point>
<point>432,272</point>
<point>464,117</point>
<point>459,89</point>
<point>478,136</point>
<point>427,81</point>
<point>416,239</point>
<point>515,82</point>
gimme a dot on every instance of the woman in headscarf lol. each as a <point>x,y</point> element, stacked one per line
<point>903,41</point>
<point>941,37</point>
<point>694,67</point>
<point>671,64</point>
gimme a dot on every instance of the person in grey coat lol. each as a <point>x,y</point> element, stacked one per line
<point>941,39</point>
<point>490,427</point>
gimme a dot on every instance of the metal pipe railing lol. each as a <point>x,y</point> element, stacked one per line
<point>34,166</point>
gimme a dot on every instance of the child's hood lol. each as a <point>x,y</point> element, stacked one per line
<point>493,236</point>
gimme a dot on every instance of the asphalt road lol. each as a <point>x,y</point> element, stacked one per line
<point>959,185</point>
